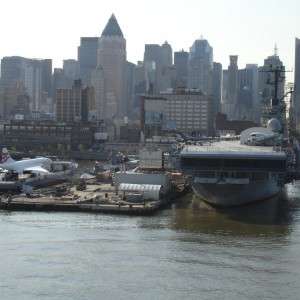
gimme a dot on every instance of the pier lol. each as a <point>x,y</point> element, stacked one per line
<point>94,198</point>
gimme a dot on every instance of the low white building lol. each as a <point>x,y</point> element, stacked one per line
<point>140,192</point>
<point>162,179</point>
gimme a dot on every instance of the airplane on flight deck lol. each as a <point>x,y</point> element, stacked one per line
<point>34,165</point>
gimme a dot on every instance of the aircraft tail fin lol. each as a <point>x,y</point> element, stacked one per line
<point>6,156</point>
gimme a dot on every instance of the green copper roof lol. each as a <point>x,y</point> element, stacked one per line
<point>112,28</point>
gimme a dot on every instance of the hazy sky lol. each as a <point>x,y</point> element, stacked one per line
<point>247,28</point>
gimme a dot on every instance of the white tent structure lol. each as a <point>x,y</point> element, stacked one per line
<point>140,192</point>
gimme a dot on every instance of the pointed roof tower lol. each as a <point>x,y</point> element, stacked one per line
<point>112,28</point>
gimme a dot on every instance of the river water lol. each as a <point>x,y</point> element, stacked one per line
<point>186,251</point>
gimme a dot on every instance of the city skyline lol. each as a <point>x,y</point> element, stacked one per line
<point>247,29</point>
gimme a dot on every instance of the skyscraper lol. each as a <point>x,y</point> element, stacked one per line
<point>153,53</point>
<point>87,58</point>
<point>112,58</point>
<point>230,88</point>
<point>201,66</point>
<point>141,86</point>
<point>47,76</point>
<point>11,103</point>
<point>167,54</point>
<point>99,109</point>
<point>157,59</point>
<point>248,93</point>
<point>181,62</point>
<point>38,81</point>
<point>70,67</point>
<point>217,87</point>
<point>64,78</point>
<point>153,66</point>
<point>13,69</point>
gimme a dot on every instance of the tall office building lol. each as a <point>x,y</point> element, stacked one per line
<point>168,79</point>
<point>73,104</point>
<point>158,59</point>
<point>166,54</point>
<point>224,92</point>
<point>87,58</point>
<point>181,63</point>
<point>153,53</point>
<point>248,102</point>
<point>13,68</point>
<point>201,66</point>
<point>130,81</point>
<point>10,100</point>
<point>98,110</point>
<point>68,103</point>
<point>296,99</point>
<point>161,55</point>
<point>64,78</point>
<point>141,86</point>
<point>153,66</point>
<point>59,81</point>
<point>217,87</point>
<point>46,65</point>
<point>230,96</point>
<point>70,67</point>
<point>38,81</point>
<point>34,74</point>
<point>190,112</point>
<point>112,58</point>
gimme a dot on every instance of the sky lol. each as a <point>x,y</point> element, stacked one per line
<point>247,28</point>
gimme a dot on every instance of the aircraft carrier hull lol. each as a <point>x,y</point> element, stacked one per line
<point>227,194</point>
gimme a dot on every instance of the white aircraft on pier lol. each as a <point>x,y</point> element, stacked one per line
<point>34,165</point>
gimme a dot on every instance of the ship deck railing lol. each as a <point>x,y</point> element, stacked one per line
<point>240,148</point>
<point>232,169</point>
